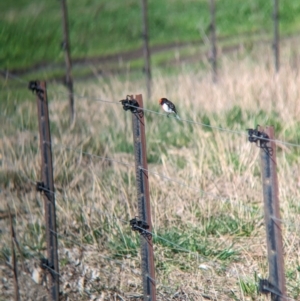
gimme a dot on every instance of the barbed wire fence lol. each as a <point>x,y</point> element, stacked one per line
<point>265,286</point>
<point>142,226</point>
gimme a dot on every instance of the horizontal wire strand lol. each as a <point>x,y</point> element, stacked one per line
<point>194,188</point>
<point>178,247</point>
<point>165,115</point>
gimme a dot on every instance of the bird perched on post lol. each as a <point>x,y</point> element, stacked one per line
<point>168,106</point>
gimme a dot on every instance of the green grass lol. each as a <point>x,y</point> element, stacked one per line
<point>191,240</point>
<point>31,34</point>
<point>215,219</point>
<point>31,30</point>
<point>249,287</point>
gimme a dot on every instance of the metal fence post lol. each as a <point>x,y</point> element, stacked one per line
<point>139,140</point>
<point>146,46</point>
<point>276,281</point>
<point>13,257</point>
<point>276,34</point>
<point>213,54</point>
<point>66,48</point>
<point>47,187</point>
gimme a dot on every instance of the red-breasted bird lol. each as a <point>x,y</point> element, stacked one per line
<point>168,106</point>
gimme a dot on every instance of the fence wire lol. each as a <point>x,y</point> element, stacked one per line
<point>225,198</point>
<point>176,246</point>
<point>193,122</point>
<point>106,214</point>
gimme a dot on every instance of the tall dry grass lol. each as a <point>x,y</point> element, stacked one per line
<point>205,185</point>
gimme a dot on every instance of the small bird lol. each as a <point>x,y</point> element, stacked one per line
<point>168,106</point>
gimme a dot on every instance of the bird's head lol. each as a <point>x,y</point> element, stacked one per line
<point>162,100</point>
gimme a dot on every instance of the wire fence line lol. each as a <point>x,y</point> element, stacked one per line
<point>174,245</point>
<point>127,222</point>
<point>243,133</point>
<point>183,120</point>
<point>183,184</point>
<point>81,152</point>
<point>225,199</point>
<point>160,114</point>
<point>154,234</point>
<point>212,263</point>
<point>163,176</point>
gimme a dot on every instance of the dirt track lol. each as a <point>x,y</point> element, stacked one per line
<point>106,65</point>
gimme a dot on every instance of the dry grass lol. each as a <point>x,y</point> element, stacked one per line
<point>222,227</point>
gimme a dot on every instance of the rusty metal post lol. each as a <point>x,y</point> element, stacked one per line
<point>213,41</point>
<point>272,217</point>
<point>66,48</point>
<point>47,186</point>
<point>13,256</point>
<point>276,34</point>
<point>146,48</point>
<point>139,141</point>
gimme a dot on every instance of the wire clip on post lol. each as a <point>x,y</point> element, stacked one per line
<point>264,286</point>
<point>34,86</point>
<point>41,187</point>
<point>45,265</point>
<point>260,138</point>
<point>140,226</point>
<point>130,104</point>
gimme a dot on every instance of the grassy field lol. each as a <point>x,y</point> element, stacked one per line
<point>31,30</point>
<point>106,42</point>
<point>221,228</point>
